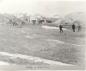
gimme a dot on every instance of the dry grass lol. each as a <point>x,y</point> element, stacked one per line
<point>13,40</point>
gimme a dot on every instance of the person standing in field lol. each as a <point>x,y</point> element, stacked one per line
<point>60,27</point>
<point>79,28</point>
<point>73,27</point>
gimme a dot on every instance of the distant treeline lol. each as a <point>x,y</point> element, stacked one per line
<point>28,19</point>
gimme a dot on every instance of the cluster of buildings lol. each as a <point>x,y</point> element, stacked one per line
<point>37,19</point>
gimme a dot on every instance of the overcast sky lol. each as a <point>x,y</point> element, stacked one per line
<point>42,7</point>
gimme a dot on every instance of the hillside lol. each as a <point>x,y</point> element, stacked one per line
<point>79,17</point>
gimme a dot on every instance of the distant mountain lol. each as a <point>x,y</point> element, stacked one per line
<point>78,17</point>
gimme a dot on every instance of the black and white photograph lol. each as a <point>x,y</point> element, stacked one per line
<point>42,35</point>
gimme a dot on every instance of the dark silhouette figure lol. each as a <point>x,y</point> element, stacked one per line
<point>73,27</point>
<point>60,27</point>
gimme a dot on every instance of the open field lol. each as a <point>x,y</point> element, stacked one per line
<point>38,41</point>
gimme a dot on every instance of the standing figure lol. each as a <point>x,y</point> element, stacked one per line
<point>79,27</point>
<point>60,27</point>
<point>73,27</point>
